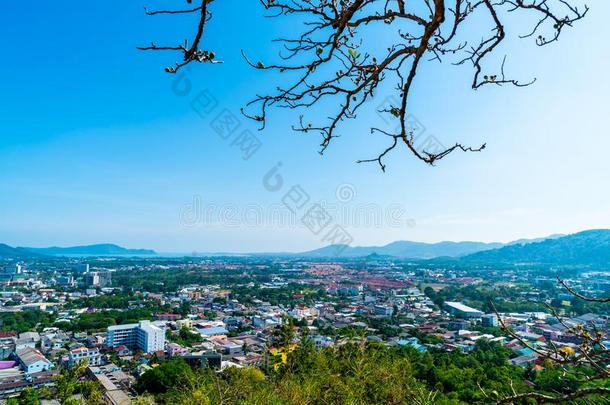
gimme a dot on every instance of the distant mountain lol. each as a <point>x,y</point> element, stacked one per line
<point>583,248</point>
<point>92,250</point>
<point>525,241</point>
<point>8,252</point>
<point>404,249</point>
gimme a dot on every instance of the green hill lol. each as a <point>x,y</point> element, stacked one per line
<point>590,248</point>
<point>105,249</point>
<point>8,252</point>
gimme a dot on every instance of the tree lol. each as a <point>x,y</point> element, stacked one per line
<point>331,64</point>
<point>186,337</point>
<point>67,383</point>
<point>169,374</point>
<point>571,373</point>
<point>28,397</point>
<point>71,382</point>
<point>185,309</point>
<point>284,334</point>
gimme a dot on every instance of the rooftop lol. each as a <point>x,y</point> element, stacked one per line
<point>461,307</point>
<point>29,356</point>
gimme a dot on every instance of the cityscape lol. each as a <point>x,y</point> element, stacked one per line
<point>305,202</point>
<point>119,319</point>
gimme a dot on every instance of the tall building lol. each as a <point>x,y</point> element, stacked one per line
<point>81,268</point>
<point>489,320</point>
<point>16,269</point>
<point>98,278</point>
<point>92,279</point>
<point>105,278</point>
<point>142,335</point>
<point>66,281</point>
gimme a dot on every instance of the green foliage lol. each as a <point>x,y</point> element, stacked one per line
<point>168,375</point>
<point>24,321</point>
<point>555,379</point>
<point>284,334</point>
<point>284,295</point>
<point>506,299</point>
<point>113,301</point>
<point>71,382</point>
<point>463,376</point>
<point>27,397</point>
<point>185,337</point>
<point>96,321</point>
<point>352,373</point>
<point>185,309</point>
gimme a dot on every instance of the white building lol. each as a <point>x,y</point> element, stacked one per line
<point>98,278</point>
<point>301,311</point>
<point>92,279</point>
<point>461,310</point>
<point>27,339</point>
<point>489,320</point>
<point>32,360</point>
<point>16,269</point>
<point>142,335</point>
<point>91,356</point>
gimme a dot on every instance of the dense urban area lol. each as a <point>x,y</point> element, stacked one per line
<point>248,329</point>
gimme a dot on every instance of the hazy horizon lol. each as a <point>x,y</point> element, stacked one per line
<point>302,250</point>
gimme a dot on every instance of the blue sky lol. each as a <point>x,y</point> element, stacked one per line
<point>95,146</point>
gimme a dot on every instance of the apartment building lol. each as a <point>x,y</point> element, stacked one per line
<point>142,335</point>
<point>91,356</point>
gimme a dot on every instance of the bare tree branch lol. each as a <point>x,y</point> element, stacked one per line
<point>334,65</point>
<point>591,353</point>
<point>560,399</point>
<point>582,297</point>
<point>189,53</point>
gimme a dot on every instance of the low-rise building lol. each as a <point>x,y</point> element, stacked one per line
<point>489,320</point>
<point>174,349</point>
<point>383,310</point>
<point>91,356</point>
<point>167,317</point>
<point>32,360</point>
<point>460,310</point>
<point>114,382</point>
